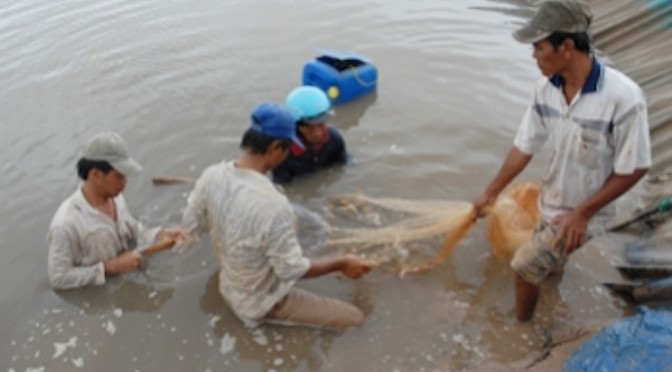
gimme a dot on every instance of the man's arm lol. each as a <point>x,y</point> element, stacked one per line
<point>351,266</point>
<point>194,217</point>
<point>515,162</point>
<point>63,274</point>
<point>572,226</point>
<point>341,154</point>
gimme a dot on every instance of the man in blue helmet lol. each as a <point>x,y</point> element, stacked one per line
<point>321,145</point>
<point>251,226</point>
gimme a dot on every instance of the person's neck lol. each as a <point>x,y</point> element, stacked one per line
<point>93,197</point>
<point>577,71</point>
<point>255,162</point>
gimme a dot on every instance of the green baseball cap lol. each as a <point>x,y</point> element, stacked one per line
<point>571,16</point>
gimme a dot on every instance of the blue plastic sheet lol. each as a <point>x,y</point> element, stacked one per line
<point>642,342</point>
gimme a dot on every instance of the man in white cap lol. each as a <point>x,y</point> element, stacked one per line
<point>595,119</point>
<point>251,225</point>
<point>93,235</point>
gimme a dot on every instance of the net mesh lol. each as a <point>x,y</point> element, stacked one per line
<point>390,230</point>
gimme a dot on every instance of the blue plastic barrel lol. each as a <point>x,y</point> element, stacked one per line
<point>344,76</point>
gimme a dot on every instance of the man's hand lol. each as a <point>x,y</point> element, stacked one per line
<point>124,263</point>
<point>176,234</point>
<point>482,204</point>
<point>571,231</point>
<point>354,267</point>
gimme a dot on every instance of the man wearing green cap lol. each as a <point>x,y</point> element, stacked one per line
<point>595,119</point>
<point>93,235</point>
<point>251,225</point>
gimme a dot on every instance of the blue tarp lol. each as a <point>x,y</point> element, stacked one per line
<point>642,342</point>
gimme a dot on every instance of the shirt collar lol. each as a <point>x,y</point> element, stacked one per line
<point>592,83</point>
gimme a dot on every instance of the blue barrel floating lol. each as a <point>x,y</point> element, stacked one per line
<point>343,75</point>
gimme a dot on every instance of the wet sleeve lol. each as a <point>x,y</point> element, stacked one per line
<point>194,217</point>
<point>284,253</point>
<point>63,274</point>
<point>631,138</point>
<point>533,131</point>
<point>341,154</point>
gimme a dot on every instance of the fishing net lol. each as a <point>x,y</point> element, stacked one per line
<point>389,230</point>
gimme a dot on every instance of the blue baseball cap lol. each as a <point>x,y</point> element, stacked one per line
<point>274,121</point>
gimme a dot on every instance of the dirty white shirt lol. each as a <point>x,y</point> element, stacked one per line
<point>81,238</point>
<point>251,225</point>
<point>604,130</point>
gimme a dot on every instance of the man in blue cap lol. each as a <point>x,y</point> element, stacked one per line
<point>595,119</point>
<point>251,225</point>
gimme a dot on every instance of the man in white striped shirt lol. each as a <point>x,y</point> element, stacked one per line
<point>595,119</point>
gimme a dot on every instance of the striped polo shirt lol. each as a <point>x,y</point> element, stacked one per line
<point>603,130</point>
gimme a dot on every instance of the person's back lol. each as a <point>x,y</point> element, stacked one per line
<point>252,228</point>
<point>251,225</point>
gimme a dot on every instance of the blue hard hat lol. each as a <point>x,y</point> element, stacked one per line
<point>310,104</point>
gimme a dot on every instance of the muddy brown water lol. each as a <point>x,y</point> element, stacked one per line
<point>177,79</point>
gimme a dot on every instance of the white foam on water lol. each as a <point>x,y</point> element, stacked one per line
<point>46,331</point>
<point>118,312</point>
<point>110,327</point>
<point>173,329</point>
<point>152,294</point>
<point>228,344</point>
<point>278,361</point>
<point>214,320</point>
<point>259,337</point>
<point>78,362</point>
<point>61,347</point>
<point>38,369</point>
<point>56,311</point>
<point>13,343</point>
<point>37,354</point>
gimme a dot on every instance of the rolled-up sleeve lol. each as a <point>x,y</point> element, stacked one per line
<point>532,133</point>
<point>63,274</point>
<point>284,253</point>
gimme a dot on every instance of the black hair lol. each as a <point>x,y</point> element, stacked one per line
<point>258,142</point>
<point>84,166</point>
<point>581,40</point>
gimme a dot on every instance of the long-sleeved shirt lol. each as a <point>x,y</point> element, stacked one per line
<point>251,226</point>
<point>82,238</point>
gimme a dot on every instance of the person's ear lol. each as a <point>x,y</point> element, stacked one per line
<point>568,46</point>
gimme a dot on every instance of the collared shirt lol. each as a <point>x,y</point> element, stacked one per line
<point>302,161</point>
<point>81,239</point>
<point>251,226</point>
<point>603,130</point>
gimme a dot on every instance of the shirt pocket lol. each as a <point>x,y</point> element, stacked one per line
<point>588,147</point>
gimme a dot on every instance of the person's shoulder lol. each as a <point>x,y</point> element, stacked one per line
<point>621,85</point>
<point>213,170</point>
<point>334,134</point>
<point>543,85</point>
<point>66,214</point>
